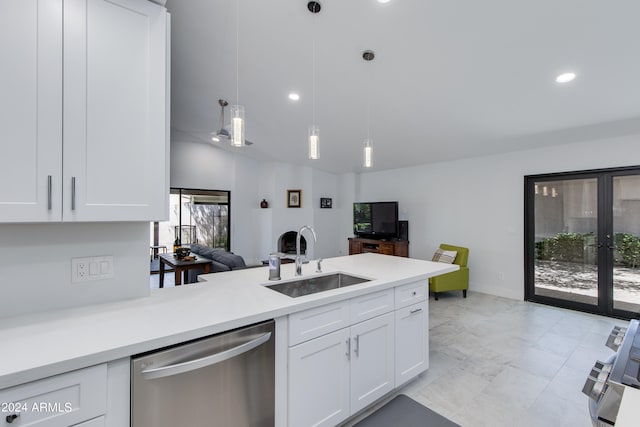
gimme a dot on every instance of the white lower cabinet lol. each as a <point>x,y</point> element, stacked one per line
<point>97,396</point>
<point>344,356</point>
<point>372,361</point>
<point>338,374</point>
<point>412,342</point>
<point>60,401</point>
<point>319,380</point>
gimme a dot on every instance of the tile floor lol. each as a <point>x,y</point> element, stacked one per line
<point>500,362</point>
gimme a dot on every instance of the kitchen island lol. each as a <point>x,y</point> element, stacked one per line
<point>48,344</point>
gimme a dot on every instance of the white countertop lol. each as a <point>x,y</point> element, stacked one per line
<point>41,345</point>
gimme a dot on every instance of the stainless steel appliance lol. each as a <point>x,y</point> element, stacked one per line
<point>223,380</point>
<point>607,380</point>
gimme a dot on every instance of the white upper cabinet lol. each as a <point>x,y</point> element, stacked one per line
<point>87,110</point>
<point>31,110</point>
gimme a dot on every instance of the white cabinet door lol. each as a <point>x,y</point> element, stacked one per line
<point>319,380</point>
<point>412,342</point>
<point>59,401</point>
<point>115,80</point>
<point>372,360</point>
<point>30,110</point>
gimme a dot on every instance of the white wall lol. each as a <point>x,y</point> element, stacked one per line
<point>255,231</point>
<point>36,264</point>
<point>479,203</point>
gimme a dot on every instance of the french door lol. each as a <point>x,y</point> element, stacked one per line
<point>582,240</point>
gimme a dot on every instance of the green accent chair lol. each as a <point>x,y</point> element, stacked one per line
<point>456,280</point>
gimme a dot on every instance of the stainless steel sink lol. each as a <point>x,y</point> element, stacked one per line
<point>313,285</point>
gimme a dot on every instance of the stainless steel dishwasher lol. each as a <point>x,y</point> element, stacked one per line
<point>224,380</point>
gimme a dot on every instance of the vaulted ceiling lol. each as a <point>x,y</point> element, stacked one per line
<point>451,78</point>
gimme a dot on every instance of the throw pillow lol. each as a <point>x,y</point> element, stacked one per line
<point>444,256</point>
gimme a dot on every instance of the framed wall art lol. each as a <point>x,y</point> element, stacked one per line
<point>326,202</point>
<point>294,198</point>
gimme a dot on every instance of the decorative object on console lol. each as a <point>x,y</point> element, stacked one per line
<point>326,202</point>
<point>456,280</point>
<point>294,198</point>
<point>182,252</point>
<point>403,230</point>
<point>264,204</point>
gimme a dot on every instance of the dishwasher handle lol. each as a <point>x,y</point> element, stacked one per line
<point>212,359</point>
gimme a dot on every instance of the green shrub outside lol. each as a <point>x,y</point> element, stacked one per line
<point>627,249</point>
<point>571,247</point>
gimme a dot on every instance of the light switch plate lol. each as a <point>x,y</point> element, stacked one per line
<point>88,269</point>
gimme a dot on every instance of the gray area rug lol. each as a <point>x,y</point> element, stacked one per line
<point>402,411</point>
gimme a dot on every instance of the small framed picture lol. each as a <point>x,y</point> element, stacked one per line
<point>325,202</point>
<point>294,198</point>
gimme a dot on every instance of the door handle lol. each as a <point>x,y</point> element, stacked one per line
<point>348,341</point>
<point>49,189</point>
<point>357,349</point>
<point>212,359</point>
<point>73,193</point>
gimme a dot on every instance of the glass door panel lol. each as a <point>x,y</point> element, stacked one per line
<point>565,235</point>
<point>626,243</point>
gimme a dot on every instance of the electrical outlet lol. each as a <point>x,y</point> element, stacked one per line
<point>91,268</point>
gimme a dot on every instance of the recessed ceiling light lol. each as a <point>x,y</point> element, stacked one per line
<point>383,1</point>
<point>294,96</point>
<point>565,77</point>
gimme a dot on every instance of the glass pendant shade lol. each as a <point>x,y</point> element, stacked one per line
<point>368,152</point>
<point>314,142</point>
<point>237,125</point>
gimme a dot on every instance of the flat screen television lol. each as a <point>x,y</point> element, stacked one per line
<point>377,220</point>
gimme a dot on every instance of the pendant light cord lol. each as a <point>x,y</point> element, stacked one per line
<point>237,51</point>
<point>313,79</point>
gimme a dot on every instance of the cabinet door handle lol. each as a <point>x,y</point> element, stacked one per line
<point>73,193</point>
<point>357,349</point>
<point>11,418</point>
<point>49,178</point>
<point>348,341</point>
<point>415,311</point>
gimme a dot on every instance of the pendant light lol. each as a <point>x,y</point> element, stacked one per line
<point>314,131</point>
<point>237,111</point>
<point>368,55</point>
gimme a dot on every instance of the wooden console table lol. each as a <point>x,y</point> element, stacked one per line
<point>394,247</point>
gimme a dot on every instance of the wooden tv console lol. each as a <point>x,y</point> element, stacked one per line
<point>394,247</point>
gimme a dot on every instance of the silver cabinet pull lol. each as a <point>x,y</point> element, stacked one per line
<point>49,178</point>
<point>212,359</point>
<point>73,193</point>
<point>348,341</point>
<point>357,349</point>
<point>417,310</point>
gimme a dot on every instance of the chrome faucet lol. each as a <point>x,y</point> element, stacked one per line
<point>298,258</point>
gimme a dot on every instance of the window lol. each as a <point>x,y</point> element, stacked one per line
<point>195,216</point>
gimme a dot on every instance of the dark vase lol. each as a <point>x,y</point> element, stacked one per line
<point>264,203</point>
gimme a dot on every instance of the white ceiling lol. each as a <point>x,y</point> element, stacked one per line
<point>451,78</point>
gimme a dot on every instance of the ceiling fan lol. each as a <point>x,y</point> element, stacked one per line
<point>223,133</point>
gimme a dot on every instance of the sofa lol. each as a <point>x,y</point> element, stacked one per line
<point>221,260</point>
